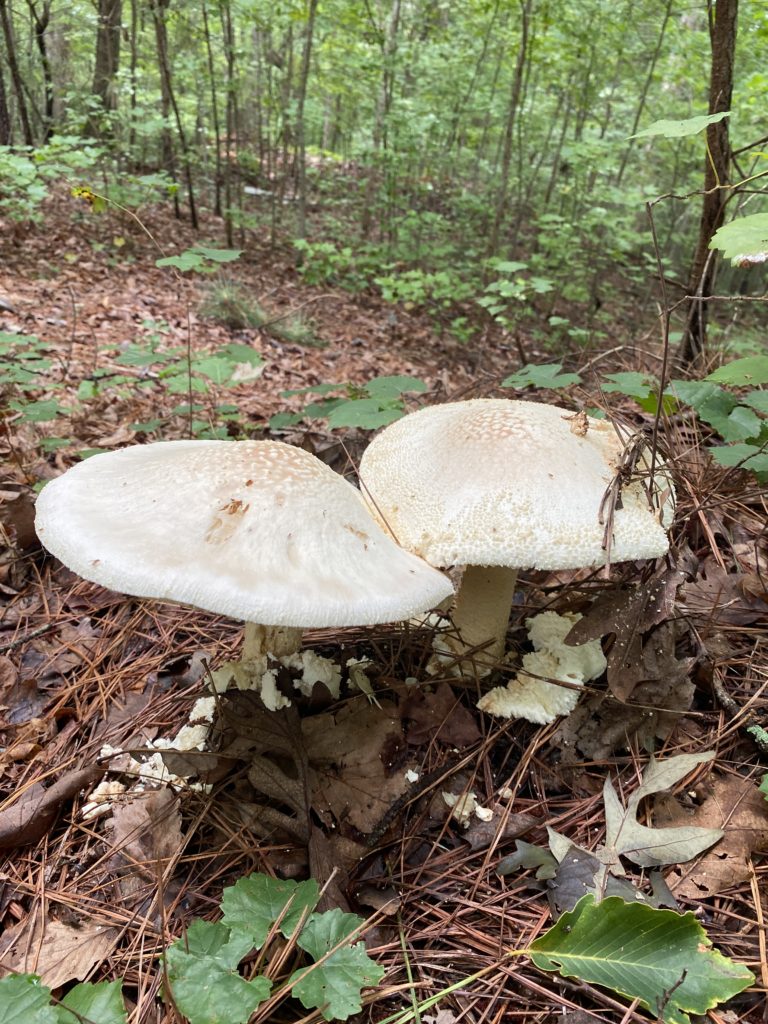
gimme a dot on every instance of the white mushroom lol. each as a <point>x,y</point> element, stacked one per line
<point>257,530</point>
<point>499,485</point>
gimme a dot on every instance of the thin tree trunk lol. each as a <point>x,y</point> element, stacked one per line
<point>41,20</point>
<point>110,15</point>
<point>6,136</point>
<point>301,154</point>
<point>16,79</point>
<point>516,85</point>
<point>383,106</point>
<point>214,111</point>
<point>231,143</point>
<point>722,31</point>
<point>159,9</point>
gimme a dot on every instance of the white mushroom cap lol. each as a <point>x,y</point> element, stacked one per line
<point>506,483</point>
<point>257,530</point>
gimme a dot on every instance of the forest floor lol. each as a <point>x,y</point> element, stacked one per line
<point>98,891</point>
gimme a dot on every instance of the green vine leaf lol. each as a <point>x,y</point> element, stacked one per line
<point>659,957</point>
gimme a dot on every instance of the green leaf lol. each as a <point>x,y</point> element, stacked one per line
<point>217,255</point>
<point>23,1000</point>
<point>187,260</point>
<point>101,1003</point>
<point>366,413</point>
<point>741,425</point>
<point>744,240</point>
<point>630,383</point>
<point>215,368</point>
<point>749,371</point>
<point>763,787</point>
<point>546,376</point>
<point>659,957</point>
<point>756,400</point>
<point>202,973</point>
<point>680,129</point>
<point>253,904</point>
<point>240,353</point>
<point>39,412</point>
<point>746,456</point>
<point>334,986</point>
<point>385,388</point>
<point>281,420</point>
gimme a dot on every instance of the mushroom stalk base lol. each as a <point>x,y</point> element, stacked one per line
<point>481,613</point>
<point>259,641</point>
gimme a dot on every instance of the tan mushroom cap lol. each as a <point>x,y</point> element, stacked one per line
<point>257,530</point>
<point>499,482</point>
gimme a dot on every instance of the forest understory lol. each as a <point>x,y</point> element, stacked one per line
<point>99,891</point>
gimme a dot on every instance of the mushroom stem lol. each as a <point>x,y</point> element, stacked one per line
<point>258,641</point>
<point>481,611</point>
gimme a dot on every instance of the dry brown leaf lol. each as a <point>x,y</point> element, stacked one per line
<point>601,724</point>
<point>57,951</point>
<point>500,828</point>
<point>628,614</point>
<point>735,599</point>
<point>29,818</point>
<point>357,764</point>
<point>145,837</point>
<point>439,715</point>
<point>735,805</point>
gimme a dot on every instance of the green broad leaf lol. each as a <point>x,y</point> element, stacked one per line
<point>743,241</point>
<point>365,413</point>
<point>147,427</point>
<point>23,1000</point>
<point>763,787</point>
<point>659,957</point>
<point>39,412</point>
<point>253,904</point>
<point>101,1003</point>
<point>756,400</point>
<point>135,355</point>
<point>217,255</point>
<point>508,266</point>
<point>281,420</point>
<point>386,388</point>
<point>741,425</point>
<point>746,372</point>
<point>179,383</point>
<point>187,260</point>
<point>546,376</point>
<point>745,456</point>
<point>203,978</point>
<point>630,383</point>
<point>334,985</point>
<point>680,129</point>
<point>239,353</point>
<point>215,368</point>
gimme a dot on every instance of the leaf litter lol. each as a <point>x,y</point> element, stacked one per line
<point>297,803</point>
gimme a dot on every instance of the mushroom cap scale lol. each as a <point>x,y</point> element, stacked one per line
<point>506,483</point>
<point>256,530</point>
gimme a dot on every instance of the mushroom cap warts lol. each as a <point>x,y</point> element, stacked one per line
<point>508,483</point>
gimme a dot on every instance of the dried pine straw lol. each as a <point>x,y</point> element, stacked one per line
<point>100,665</point>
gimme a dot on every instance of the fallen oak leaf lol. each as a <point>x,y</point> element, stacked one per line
<point>735,805</point>
<point>30,817</point>
<point>628,614</point>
